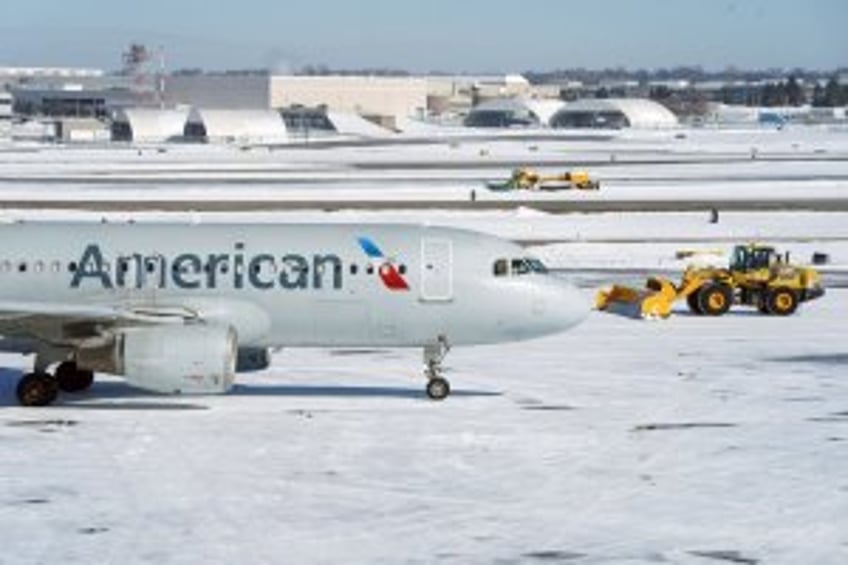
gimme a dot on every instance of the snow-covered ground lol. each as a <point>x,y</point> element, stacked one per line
<point>685,441</point>
<point>689,440</point>
<point>806,163</point>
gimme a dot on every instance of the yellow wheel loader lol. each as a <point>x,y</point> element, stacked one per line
<point>757,276</point>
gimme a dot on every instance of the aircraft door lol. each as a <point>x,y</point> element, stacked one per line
<point>436,270</point>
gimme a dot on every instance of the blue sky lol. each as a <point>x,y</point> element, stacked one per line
<point>422,35</point>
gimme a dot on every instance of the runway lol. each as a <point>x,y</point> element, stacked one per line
<point>548,205</point>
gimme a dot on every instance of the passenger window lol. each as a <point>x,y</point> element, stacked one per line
<point>501,268</point>
<point>353,268</point>
<point>56,266</point>
<point>7,266</point>
<point>22,267</point>
<point>402,269</point>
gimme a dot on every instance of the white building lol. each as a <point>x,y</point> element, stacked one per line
<point>614,113</point>
<point>15,74</point>
<point>384,99</point>
<point>235,126</point>
<point>148,125</point>
<point>513,112</point>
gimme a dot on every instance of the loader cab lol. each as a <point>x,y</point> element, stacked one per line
<point>750,258</point>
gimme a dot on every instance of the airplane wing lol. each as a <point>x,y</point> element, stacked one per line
<point>62,323</point>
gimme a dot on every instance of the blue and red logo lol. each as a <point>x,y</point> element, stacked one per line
<point>389,274</point>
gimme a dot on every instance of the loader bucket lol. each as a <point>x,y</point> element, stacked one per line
<point>654,301</point>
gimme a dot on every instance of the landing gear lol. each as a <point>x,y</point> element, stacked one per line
<point>40,388</point>
<point>438,388</point>
<point>37,389</point>
<point>71,378</point>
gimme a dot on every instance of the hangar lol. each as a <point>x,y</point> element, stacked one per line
<point>148,125</point>
<point>614,113</point>
<point>512,112</point>
<point>214,125</point>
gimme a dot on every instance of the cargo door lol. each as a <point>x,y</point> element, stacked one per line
<point>436,270</point>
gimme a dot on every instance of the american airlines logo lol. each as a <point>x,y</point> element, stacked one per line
<point>389,274</point>
<point>261,271</point>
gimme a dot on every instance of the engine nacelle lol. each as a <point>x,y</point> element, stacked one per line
<point>178,359</point>
<point>252,359</point>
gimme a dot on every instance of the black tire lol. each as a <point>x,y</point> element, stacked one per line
<point>782,301</point>
<point>692,302</point>
<point>37,389</point>
<point>438,388</point>
<point>70,378</point>
<point>715,299</point>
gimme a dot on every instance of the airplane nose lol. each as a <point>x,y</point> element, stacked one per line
<point>565,305</point>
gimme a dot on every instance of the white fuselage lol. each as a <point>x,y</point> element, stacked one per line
<point>294,284</point>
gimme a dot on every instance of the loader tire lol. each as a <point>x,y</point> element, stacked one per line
<point>715,299</point>
<point>692,302</point>
<point>782,301</point>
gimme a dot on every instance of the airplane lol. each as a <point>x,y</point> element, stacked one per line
<point>183,307</point>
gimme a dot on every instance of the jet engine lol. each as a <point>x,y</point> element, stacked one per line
<point>170,359</point>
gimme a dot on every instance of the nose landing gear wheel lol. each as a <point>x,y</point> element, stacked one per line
<point>438,388</point>
<point>37,389</point>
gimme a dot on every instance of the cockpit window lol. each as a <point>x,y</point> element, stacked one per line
<point>518,267</point>
<point>536,266</point>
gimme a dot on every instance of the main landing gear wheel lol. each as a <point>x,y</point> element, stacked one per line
<point>71,378</point>
<point>438,388</point>
<point>37,389</point>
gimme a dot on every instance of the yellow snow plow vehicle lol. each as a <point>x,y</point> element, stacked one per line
<point>757,276</point>
<point>528,179</point>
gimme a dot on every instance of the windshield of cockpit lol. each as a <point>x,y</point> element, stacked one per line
<point>518,266</point>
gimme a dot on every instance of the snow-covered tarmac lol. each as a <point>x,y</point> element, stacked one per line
<point>690,440</point>
<point>687,441</point>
